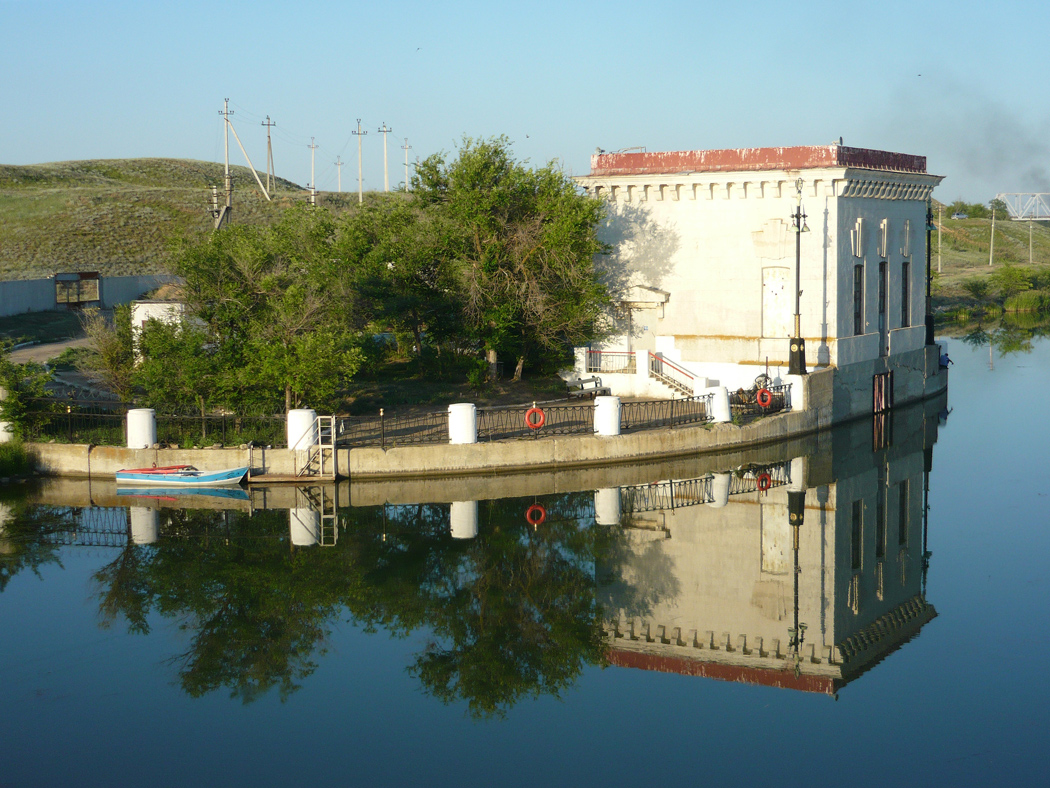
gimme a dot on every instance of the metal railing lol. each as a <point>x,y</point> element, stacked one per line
<point>647,414</point>
<point>611,361</point>
<point>669,373</point>
<point>392,430</point>
<point>552,419</point>
<point>748,403</point>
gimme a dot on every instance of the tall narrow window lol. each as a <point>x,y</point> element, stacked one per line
<point>902,517</point>
<point>857,537</point>
<point>883,327</point>
<point>858,300</point>
<point>880,517</point>
<point>905,295</point>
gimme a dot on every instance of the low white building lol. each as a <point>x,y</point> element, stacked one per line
<point>704,269</point>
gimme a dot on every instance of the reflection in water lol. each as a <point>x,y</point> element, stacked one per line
<point>804,585</point>
<point>800,568</point>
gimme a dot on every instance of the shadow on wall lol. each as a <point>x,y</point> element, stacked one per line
<point>641,250</point>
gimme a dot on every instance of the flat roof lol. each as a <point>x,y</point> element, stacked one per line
<point>802,157</point>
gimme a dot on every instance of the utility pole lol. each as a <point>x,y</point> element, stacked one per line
<point>222,215</point>
<point>269,155</point>
<point>1029,242</point>
<point>313,184</point>
<point>991,245</point>
<point>406,148</point>
<point>386,173</point>
<point>339,171</point>
<point>360,187</point>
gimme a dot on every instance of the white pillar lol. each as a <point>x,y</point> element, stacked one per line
<point>721,412</point>
<point>304,526</point>
<point>720,490</point>
<point>607,506</point>
<point>462,423</point>
<point>580,361</point>
<point>798,391</point>
<point>302,428</point>
<point>142,428</point>
<point>143,525</point>
<point>463,519</point>
<point>798,475</point>
<point>607,416</point>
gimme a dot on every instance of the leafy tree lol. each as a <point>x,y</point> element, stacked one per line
<point>976,287</point>
<point>25,404</point>
<point>111,362</point>
<point>276,305</point>
<point>1010,280</point>
<point>522,243</point>
<point>999,207</point>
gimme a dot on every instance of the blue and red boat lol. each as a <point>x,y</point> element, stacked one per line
<point>182,476</point>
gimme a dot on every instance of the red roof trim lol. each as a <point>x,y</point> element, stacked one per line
<point>802,157</point>
<point>783,679</point>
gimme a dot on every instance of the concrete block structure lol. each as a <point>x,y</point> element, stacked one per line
<point>704,265</point>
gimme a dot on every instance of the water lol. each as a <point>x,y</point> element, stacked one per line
<point>222,653</point>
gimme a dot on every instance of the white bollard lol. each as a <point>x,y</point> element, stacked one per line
<point>462,423</point>
<point>721,412</point>
<point>607,416</point>
<point>798,475</point>
<point>720,490</point>
<point>798,391</point>
<point>142,428</point>
<point>302,429</point>
<point>607,506</point>
<point>463,519</point>
<point>304,526</point>
<point>144,528</point>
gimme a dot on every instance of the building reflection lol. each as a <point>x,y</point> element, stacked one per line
<point>802,575</point>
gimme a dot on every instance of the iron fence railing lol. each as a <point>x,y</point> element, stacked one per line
<point>751,403</point>
<point>392,430</point>
<point>543,419</point>
<point>647,414</point>
<point>611,361</point>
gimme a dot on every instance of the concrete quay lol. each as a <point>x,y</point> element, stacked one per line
<point>818,400</point>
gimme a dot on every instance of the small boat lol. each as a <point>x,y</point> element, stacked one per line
<point>181,476</point>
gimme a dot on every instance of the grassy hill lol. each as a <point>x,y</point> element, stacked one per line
<point>965,246</point>
<point>116,216</point>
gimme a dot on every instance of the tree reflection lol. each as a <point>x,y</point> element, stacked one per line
<point>512,612</point>
<point>1014,334</point>
<point>27,537</point>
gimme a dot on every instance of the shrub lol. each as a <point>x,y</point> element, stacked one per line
<point>1028,301</point>
<point>976,287</point>
<point>15,459</point>
<point>1010,280</point>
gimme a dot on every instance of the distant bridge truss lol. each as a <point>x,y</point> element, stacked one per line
<point>1027,206</point>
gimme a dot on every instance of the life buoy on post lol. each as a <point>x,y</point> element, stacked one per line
<point>535,423</point>
<point>535,515</point>
<point>764,398</point>
<point>764,482</point>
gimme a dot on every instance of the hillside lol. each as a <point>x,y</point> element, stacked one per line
<point>965,247</point>
<point>115,216</point>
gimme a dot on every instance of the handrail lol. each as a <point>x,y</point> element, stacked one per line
<point>672,365</point>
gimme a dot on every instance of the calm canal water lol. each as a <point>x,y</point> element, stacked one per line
<point>646,630</point>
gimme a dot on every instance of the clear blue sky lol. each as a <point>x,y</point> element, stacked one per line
<point>87,80</point>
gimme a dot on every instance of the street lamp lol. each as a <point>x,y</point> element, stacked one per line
<point>797,356</point>
<point>930,227</point>
<point>796,516</point>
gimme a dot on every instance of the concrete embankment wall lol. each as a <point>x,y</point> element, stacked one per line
<point>502,457</point>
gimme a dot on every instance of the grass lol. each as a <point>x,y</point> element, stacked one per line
<point>15,459</point>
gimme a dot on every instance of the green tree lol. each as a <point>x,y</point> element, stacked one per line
<point>111,362</point>
<point>1010,280</point>
<point>522,243</point>
<point>26,403</point>
<point>1000,208</point>
<point>277,306</point>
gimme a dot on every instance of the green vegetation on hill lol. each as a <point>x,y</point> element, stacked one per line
<point>116,216</point>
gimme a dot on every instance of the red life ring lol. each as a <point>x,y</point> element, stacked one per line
<point>764,481</point>
<point>535,515</point>
<point>535,425</point>
<point>764,398</point>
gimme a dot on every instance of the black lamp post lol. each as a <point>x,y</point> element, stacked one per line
<point>796,515</point>
<point>797,355</point>
<point>929,274</point>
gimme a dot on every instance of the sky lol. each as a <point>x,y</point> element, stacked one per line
<point>961,83</point>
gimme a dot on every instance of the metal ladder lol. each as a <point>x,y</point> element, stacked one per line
<point>321,457</point>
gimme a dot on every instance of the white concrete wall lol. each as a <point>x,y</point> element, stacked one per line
<point>38,295</point>
<point>722,242</point>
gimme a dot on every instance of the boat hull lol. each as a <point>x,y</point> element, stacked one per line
<point>183,478</point>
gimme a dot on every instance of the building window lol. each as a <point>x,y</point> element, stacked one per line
<point>858,300</point>
<point>857,537</point>
<point>905,295</point>
<point>902,516</point>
